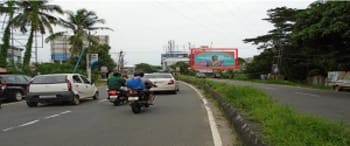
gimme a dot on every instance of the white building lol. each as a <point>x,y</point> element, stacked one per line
<point>172,57</point>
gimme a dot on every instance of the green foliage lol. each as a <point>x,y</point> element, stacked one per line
<point>38,16</point>
<point>47,68</point>
<point>80,23</point>
<point>28,51</point>
<point>104,58</point>
<point>7,8</point>
<point>281,125</point>
<point>261,64</point>
<point>315,38</point>
<point>146,68</point>
<point>184,68</point>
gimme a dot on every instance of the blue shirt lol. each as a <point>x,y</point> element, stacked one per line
<point>135,83</point>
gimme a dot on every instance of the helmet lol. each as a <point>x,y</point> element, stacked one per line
<point>138,74</point>
<point>142,74</point>
<point>116,74</point>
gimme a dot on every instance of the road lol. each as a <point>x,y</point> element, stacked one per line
<point>175,120</point>
<point>328,104</point>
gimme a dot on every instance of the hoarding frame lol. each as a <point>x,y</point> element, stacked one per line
<point>196,51</point>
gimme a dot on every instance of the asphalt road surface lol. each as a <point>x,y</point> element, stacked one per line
<point>328,104</point>
<point>176,120</point>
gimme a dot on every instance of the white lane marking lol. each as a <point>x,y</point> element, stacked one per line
<point>29,123</point>
<point>51,116</point>
<point>307,94</point>
<point>12,103</point>
<point>102,100</point>
<point>214,129</point>
<point>65,112</point>
<point>35,121</point>
<point>8,129</point>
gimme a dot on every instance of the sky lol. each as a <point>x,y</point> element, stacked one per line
<point>142,28</point>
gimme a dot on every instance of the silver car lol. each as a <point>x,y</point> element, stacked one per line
<point>164,82</point>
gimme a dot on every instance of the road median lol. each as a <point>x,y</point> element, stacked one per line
<point>261,121</point>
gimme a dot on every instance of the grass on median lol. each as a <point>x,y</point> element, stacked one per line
<point>280,124</point>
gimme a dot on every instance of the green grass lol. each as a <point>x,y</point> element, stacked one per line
<point>281,126</point>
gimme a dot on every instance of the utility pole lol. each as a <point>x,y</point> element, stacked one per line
<point>120,61</point>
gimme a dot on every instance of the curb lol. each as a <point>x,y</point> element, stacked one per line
<point>246,131</point>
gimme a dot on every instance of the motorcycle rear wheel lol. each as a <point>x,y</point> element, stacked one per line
<point>136,108</point>
<point>116,102</point>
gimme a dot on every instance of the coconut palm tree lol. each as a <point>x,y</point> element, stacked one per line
<point>81,23</point>
<point>37,16</point>
<point>7,8</point>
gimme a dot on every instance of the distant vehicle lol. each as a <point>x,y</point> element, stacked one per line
<point>60,88</point>
<point>13,86</point>
<point>164,82</point>
<point>217,75</point>
<point>339,80</point>
<point>200,75</point>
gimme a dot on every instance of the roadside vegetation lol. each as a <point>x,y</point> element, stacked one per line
<point>40,17</point>
<point>304,42</point>
<point>281,125</point>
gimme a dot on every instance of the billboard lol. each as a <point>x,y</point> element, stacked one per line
<point>214,59</point>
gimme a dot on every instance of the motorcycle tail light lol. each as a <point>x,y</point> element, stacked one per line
<point>112,92</point>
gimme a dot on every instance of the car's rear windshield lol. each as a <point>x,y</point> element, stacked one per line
<point>49,79</point>
<point>158,76</point>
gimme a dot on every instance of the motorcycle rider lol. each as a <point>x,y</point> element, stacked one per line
<point>116,82</point>
<point>140,83</point>
<point>135,82</point>
<point>148,85</point>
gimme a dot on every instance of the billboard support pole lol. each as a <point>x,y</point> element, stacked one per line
<point>79,59</point>
<point>88,66</point>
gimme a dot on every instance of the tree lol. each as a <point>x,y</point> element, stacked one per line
<point>81,23</point>
<point>144,67</point>
<point>322,32</point>
<point>104,58</point>
<point>278,39</point>
<point>38,17</point>
<point>261,64</point>
<point>184,67</point>
<point>7,8</point>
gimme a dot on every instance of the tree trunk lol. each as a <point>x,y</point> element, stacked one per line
<point>28,52</point>
<point>6,44</point>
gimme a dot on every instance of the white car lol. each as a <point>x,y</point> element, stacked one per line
<point>60,88</point>
<point>164,82</point>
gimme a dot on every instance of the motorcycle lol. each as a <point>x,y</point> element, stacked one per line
<point>138,99</point>
<point>117,97</point>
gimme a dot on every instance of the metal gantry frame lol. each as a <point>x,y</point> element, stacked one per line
<point>19,39</point>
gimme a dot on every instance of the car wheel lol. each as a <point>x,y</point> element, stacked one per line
<point>96,96</point>
<point>76,100</point>
<point>174,92</point>
<point>32,104</point>
<point>18,96</point>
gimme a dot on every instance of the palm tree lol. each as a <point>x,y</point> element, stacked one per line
<point>37,16</point>
<point>81,23</point>
<point>6,8</point>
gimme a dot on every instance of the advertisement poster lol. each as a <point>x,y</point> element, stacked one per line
<point>211,59</point>
<point>92,60</point>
